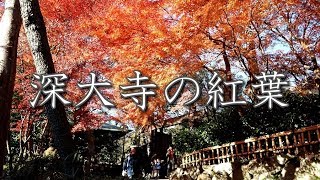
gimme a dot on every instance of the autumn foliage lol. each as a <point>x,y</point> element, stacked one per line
<point>167,39</point>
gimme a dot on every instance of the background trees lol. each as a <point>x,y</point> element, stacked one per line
<point>228,125</point>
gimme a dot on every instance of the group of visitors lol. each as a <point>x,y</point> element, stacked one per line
<point>132,165</point>
<point>156,167</point>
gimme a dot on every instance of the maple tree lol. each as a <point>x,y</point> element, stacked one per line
<point>296,26</point>
<point>35,31</point>
<point>87,49</point>
<point>245,32</point>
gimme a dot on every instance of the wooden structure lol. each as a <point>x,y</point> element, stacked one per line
<point>159,144</point>
<point>293,142</point>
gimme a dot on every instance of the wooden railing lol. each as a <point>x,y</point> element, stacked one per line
<point>292,142</point>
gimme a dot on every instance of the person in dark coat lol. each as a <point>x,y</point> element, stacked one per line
<point>131,165</point>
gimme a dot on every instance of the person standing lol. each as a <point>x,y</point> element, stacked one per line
<point>131,165</point>
<point>158,167</point>
<point>170,160</point>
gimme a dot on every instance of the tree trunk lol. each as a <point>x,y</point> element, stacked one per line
<point>37,38</point>
<point>227,91</point>
<point>9,32</point>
